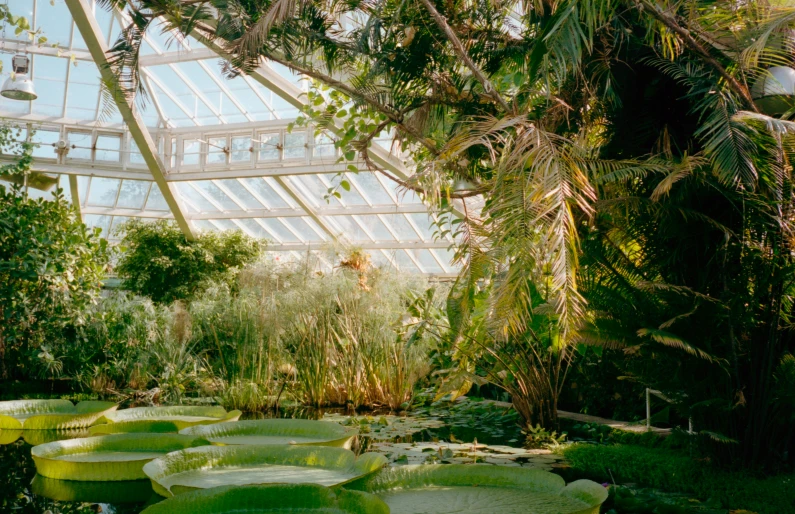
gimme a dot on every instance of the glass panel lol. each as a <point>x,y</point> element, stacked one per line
<point>195,198</point>
<point>351,197</point>
<point>266,192</point>
<point>295,145</point>
<point>429,264</point>
<point>136,158</point>
<point>255,228</point>
<point>212,191</point>
<point>204,225</point>
<point>82,188</point>
<point>324,146</point>
<point>103,191</point>
<point>215,150</point>
<point>52,17</point>
<point>49,75</point>
<point>63,183</point>
<point>82,95</point>
<point>241,149</point>
<point>375,227</point>
<point>246,199</point>
<point>314,190</point>
<point>97,221</point>
<point>423,222</point>
<point>269,147</point>
<point>446,256</point>
<point>115,232</point>
<point>404,262</point>
<point>371,188</point>
<point>191,151</point>
<point>279,230</point>
<point>132,194</point>
<point>401,226</point>
<point>301,227</point>
<point>349,229</point>
<point>82,143</point>
<point>45,139</point>
<point>226,225</point>
<point>156,202</point>
<point>316,228</point>
<point>108,148</point>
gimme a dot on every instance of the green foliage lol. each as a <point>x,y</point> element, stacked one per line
<point>160,263</point>
<point>51,266</point>
<point>675,471</point>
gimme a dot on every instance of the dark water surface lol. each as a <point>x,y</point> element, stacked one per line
<point>22,491</point>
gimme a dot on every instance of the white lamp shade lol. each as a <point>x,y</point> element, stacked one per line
<point>778,81</point>
<point>19,87</point>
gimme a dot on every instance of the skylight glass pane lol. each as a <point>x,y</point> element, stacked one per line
<point>226,224</point>
<point>426,260</point>
<point>97,221</point>
<point>372,188</point>
<point>301,227</point>
<point>269,146</point>
<point>115,233</point>
<point>66,190</point>
<point>379,260</point>
<point>295,145</point>
<point>446,256</point>
<point>204,225</point>
<point>241,194</point>
<point>103,191</point>
<point>82,188</point>
<point>215,150</point>
<point>49,75</point>
<point>53,18</point>
<point>324,146</point>
<point>401,226</point>
<point>278,228</point>
<point>255,229</point>
<point>196,198</point>
<point>315,190</point>
<point>215,194</point>
<point>45,139</point>
<point>350,229</point>
<point>156,201</point>
<point>82,97</point>
<point>403,261</point>
<point>133,194</point>
<point>79,145</point>
<point>241,149</point>
<point>424,223</point>
<point>108,148</point>
<point>191,152</point>
<point>266,192</point>
<point>136,159</point>
<point>351,197</point>
<point>375,227</point>
<point>316,228</point>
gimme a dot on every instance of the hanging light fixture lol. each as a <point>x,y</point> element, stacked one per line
<point>19,86</point>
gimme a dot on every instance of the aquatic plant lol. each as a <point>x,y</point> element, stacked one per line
<point>212,466</point>
<point>51,414</point>
<point>162,419</point>
<point>107,458</point>
<point>300,432</point>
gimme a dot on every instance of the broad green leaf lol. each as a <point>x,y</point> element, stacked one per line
<point>107,458</point>
<point>271,498</point>
<point>163,419</point>
<point>212,466</point>
<point>345,185</point>
<point>51,414</point>
<point>482,489</point>
<point>130,491</point>
<point>276,431</point>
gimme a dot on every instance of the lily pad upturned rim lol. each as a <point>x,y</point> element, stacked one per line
<point>208,457</point>
<point>152,419</point>
<point>256,498</point>
<point>403,478</point>
<point>128,491</point>
<point>52,414</point>
<point>48,464</point>
<point>327,433</point>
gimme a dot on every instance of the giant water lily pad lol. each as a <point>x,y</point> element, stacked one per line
<point>37,437</point>
<point>482,489</point>
<point>162,419</point>
<point>276,431</point>
<point>271,498</point>
<point>130,491</point>
<point>107,458</point>
<point>51,414</point>
<point>213,466</point>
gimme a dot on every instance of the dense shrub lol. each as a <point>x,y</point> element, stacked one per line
<point>50,269</point>
<point>159,262</point>
<point>676,471</point>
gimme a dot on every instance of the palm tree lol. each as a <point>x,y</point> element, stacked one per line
<point>588,132</point>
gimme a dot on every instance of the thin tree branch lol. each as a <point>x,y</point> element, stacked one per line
<point>488,87</point>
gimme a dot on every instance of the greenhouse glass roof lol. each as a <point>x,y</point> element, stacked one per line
<point>211,152</point>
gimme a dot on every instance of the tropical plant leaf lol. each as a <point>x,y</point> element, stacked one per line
<point>51,414</point>
<point>107,458</point>
<point>275,498</point>
<point>276,431</point>
<point>202,468</point>
<point>482,489</point>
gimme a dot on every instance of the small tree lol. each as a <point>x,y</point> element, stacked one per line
<point>160,263</point>
<point>50,268</point>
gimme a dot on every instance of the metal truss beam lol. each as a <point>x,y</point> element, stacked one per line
<point>402,245</point>
<point>92,35</point>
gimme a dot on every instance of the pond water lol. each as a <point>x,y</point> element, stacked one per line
<point>428,435</point>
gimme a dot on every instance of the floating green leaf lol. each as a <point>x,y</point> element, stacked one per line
<point>51,414</point>
<point>276,431</point>
<point>271,498</point>
<point>107,458</point>
<point>482,489</point>
<point>163,419</point>
<point>130,491</point>
<point>213,466</point>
